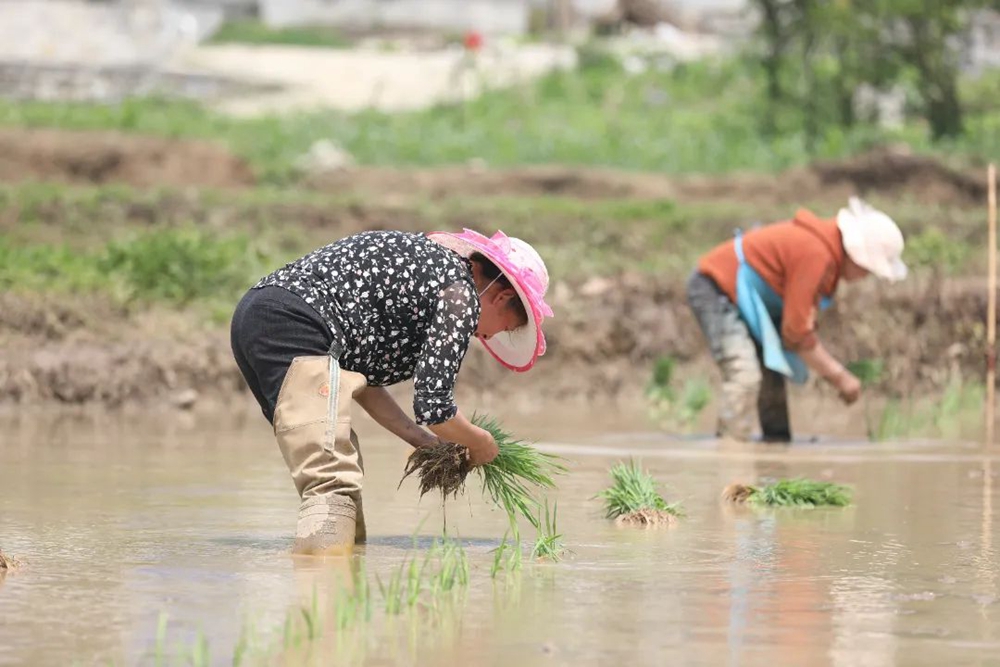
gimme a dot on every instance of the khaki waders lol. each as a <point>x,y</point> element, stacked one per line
<point>312,423</point>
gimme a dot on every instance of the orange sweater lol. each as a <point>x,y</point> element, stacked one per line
<point>800,259</point>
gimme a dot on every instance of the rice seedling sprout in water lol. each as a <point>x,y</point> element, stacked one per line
<point>548,545</point>
<point>790,493</point>
<point>633,499</point>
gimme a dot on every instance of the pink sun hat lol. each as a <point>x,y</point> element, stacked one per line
<point>517,350</point>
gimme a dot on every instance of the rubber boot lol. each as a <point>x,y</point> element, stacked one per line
<point>312,424</point>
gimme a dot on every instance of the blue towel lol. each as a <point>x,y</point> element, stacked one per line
<point>761,307</point>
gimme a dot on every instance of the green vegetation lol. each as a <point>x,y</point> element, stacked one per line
<point>633,493</point>
<point>868,372</point>
<point>816,54</point>
<point>519,468</point>
<point>507,556</point>
<point>548,545</point>
<point>702,117</point>
<point>173,265</point>
<point>791,493</point>
<point>673,409</point>
<point>952,414</point>
<point>256,32</point>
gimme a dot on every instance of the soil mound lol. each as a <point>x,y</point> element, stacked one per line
<point>889,171</point>
<point>105,157</point>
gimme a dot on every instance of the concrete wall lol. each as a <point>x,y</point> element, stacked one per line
<point>493,16</point>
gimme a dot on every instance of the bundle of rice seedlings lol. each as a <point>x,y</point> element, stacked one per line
<point>790,493</point>
<point>633,500</point>
<point>443,466</point>
<point>509,479</point>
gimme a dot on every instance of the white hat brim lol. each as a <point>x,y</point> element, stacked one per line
<point>518,349</point>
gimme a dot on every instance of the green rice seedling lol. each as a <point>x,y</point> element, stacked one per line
<point>547,544</point>
<point>695,397</point>
<point>355,604</point>
<point>310,616</point>
<point>659,387</point>
<point>498,555</point>
<point>509,478</point>
<point>199,652</point>
<point>868,372</point>
<point>798,492</point>
<point>405,586</point>
<point>507,556</point>
<point>633,499</point>
<point>161,639</point>
<point>414,582</point>
<point>453,565</point>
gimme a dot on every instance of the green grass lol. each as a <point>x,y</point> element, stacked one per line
<point>671,408</point>
<point>702,117</point>
<point>177,266</point>
<point>801,493</point>
<point>256,32</point>
<point>634,490</point>
<point>519,470</point>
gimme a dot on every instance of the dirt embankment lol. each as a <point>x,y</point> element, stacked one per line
<point>111,157</point>
<point>607,332</point>
<point>603,341</point>
<point>105,157</point>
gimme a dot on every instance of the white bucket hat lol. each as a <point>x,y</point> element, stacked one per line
<point>872,240</point>
<point>517,350</point>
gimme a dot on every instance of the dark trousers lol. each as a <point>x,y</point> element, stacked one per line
<point>272,326</point>
<point>746,382</point>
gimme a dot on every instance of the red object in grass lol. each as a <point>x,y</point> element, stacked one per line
<point>473,40</point>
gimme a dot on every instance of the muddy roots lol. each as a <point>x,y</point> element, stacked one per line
<point>442,467</point>
<point>647,518</point>
<point>8,563</point>
<point>737,493</point>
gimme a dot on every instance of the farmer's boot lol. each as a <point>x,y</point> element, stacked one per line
<point>772,406</point>
<point>312,423</point>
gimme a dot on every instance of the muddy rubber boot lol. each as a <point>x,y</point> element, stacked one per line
<point>312,424</point>
<point>360,531</point>
<point>326,526</point>
<point>772,406</point>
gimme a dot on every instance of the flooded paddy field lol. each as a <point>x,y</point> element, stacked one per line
<point>149,541</point>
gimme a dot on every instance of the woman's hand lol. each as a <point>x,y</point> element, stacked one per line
<point>481,445</point>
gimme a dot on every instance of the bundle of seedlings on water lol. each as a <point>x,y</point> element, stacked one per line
<point>790,493</point>
<point>633,500</point>
<point>508,479</point>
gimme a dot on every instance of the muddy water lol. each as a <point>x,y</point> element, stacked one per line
<point>129,524</point>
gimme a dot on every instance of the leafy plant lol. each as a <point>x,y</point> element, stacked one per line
<point>547,544</point>
<point>798,492</point>
<point>518,469</point>
<point>633,495</point>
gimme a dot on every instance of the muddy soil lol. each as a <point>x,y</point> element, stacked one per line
<point>111,157</point>
<point>106,157</point>
<point>602,343</point>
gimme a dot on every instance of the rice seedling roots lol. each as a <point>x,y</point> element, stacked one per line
<point>737,493</point>
<point>647,518</point>
<point>442,467</point>
<point>8,563</point>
